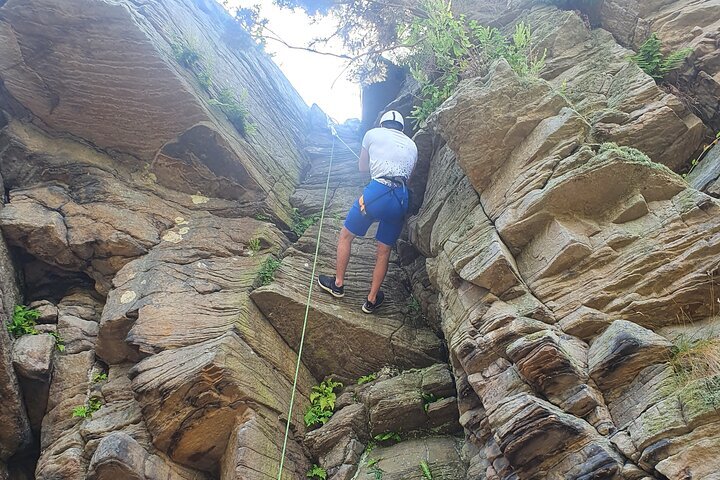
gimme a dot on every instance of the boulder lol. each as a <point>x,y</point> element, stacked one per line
<point>33,361</point>
<point>403,460</point>
<point>32,356</point>
<point>48,312</point>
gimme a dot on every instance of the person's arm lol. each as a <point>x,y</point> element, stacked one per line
<point>364,161</point>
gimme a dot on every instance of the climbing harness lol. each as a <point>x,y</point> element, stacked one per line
<point>397,182</point>
<point>307,303</point>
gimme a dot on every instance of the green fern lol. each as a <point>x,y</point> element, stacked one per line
<point>23,321</point>
<point>317,472</point>
<point>651,60</point>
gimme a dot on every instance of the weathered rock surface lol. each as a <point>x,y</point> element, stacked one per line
<point>551,264</point>
<point>167,128</point>
<point>679,24</point>
<point>15,433</point>
<point>705,176</point>
<point>523,202</point>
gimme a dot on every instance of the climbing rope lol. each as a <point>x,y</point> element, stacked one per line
<point>307,303</point>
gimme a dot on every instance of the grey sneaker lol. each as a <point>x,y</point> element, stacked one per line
<point>370,307</point>
<point>327,283</point>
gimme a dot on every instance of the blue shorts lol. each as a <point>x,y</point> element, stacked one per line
<point>383,204</point>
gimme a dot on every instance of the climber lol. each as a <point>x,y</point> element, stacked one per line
<point>390,157</point>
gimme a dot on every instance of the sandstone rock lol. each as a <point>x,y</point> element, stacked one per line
<point>705,176</point>
<point>48,311</point>
<point>402,460</point>
<point>679,24</point>
<point>208,387</point>
<point>118,456</point>
<point>621,352</point>
<point>399,403</point>
<point>32,356</point>
<point>15,433</point>
<point>176,131</point>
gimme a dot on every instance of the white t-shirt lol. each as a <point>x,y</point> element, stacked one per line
<point>392,153</point>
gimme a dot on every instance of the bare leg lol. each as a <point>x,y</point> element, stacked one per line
<point>381,268</point>
<point>343,255</point>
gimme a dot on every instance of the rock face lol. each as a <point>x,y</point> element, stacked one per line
<point>679,24</point>
<point>547,246</point>
<point>551,314</point>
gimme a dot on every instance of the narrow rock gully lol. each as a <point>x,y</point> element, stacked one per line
<point>413,394</point>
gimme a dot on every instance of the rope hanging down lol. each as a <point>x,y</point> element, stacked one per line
<point>307,304</point>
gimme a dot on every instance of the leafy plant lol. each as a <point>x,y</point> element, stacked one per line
<point>427,474</point>
<point>262,217</point>
<point>300,224</point>
<point>317,472</point>
<point>393,437</point>
<point>444,47</point>
<point>374,469</point>
<point>185,52</point>
<point>80,411</point>
<point>204,77</point>
<point>99,377</point>
<point>267,271</point>
<point>695,358</point>
<point>59,343</point>
<point>87,410</point>
<point>322,403</point>
<point>23,321</point>
<point>366,379</point>
<point>235,109</point>
<point>428,398</point>
<point>254,245</point>
<point>653,62</point>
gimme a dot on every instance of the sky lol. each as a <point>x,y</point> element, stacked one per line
<point>311,74</point>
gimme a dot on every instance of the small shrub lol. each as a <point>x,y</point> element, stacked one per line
<point>80,411</point>
<point>317,472</point>
<point>443,48</point>
<point>59,342</point>
<point>185,52</point>
<point>694,358</point>
<point>322,403</point>
<point>23,321</point>
<point>87,410</point>
<point>650,59</point>
<point>366,379</point>
<point>425,468</point>
<point>235,109</point>
<point>204,77</point>
<point>300,224</point>
<point>254,245</point>
<point>267,271</point>
<point>629,153</point>
<point>99,377</point>
<point>262,217</point>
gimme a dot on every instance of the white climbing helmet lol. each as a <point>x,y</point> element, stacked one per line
<point>393,116</point>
